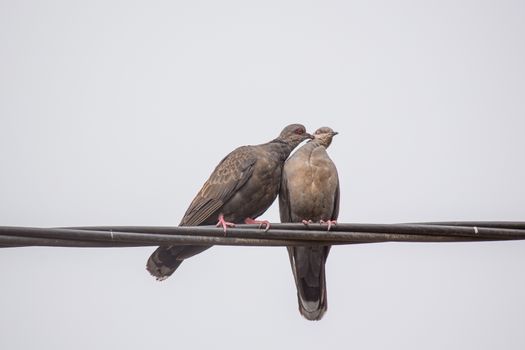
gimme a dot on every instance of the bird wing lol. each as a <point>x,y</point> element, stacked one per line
<point>335,212</point>
<point>230,175</point>
<point>284,199</point>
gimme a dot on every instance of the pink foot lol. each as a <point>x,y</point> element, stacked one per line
<point>329,223</point>
<point>224,224</point>
<point>307,222</point>
<point>261,223</point>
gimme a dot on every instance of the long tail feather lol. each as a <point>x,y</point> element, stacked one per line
<point>308,267</point>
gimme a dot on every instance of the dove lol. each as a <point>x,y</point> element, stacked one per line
<point>310,193</point>
<point>241,188</point>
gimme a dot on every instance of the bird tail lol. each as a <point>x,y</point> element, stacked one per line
<point>308,267</point>
<point>166,259</point>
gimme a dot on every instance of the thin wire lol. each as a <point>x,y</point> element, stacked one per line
<point>289,234</point>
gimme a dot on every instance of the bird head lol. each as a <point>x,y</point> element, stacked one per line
<point>324,136</point>
<point>294,134</point>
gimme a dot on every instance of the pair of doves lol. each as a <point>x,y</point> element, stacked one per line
<point>244,185</point>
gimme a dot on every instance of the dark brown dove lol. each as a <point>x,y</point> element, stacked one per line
<point>310,192</point>
<point>241,188</point>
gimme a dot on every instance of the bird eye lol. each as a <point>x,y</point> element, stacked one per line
<point>299,131</point>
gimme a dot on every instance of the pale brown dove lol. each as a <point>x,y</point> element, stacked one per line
<point>310,192</point>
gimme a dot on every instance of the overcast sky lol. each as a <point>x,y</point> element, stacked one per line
<point>115,113</point>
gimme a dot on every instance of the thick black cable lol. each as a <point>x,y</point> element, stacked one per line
<point>251,235</point>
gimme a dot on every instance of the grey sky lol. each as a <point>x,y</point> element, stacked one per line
<point>115,113</point>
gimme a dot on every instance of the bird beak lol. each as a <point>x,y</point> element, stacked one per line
<point>335,133</point>
<point>309,136</point>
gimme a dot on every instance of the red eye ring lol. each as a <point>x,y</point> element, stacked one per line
<point>299,131</point>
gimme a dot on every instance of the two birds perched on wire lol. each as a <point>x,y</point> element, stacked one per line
<point>244,185</point>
